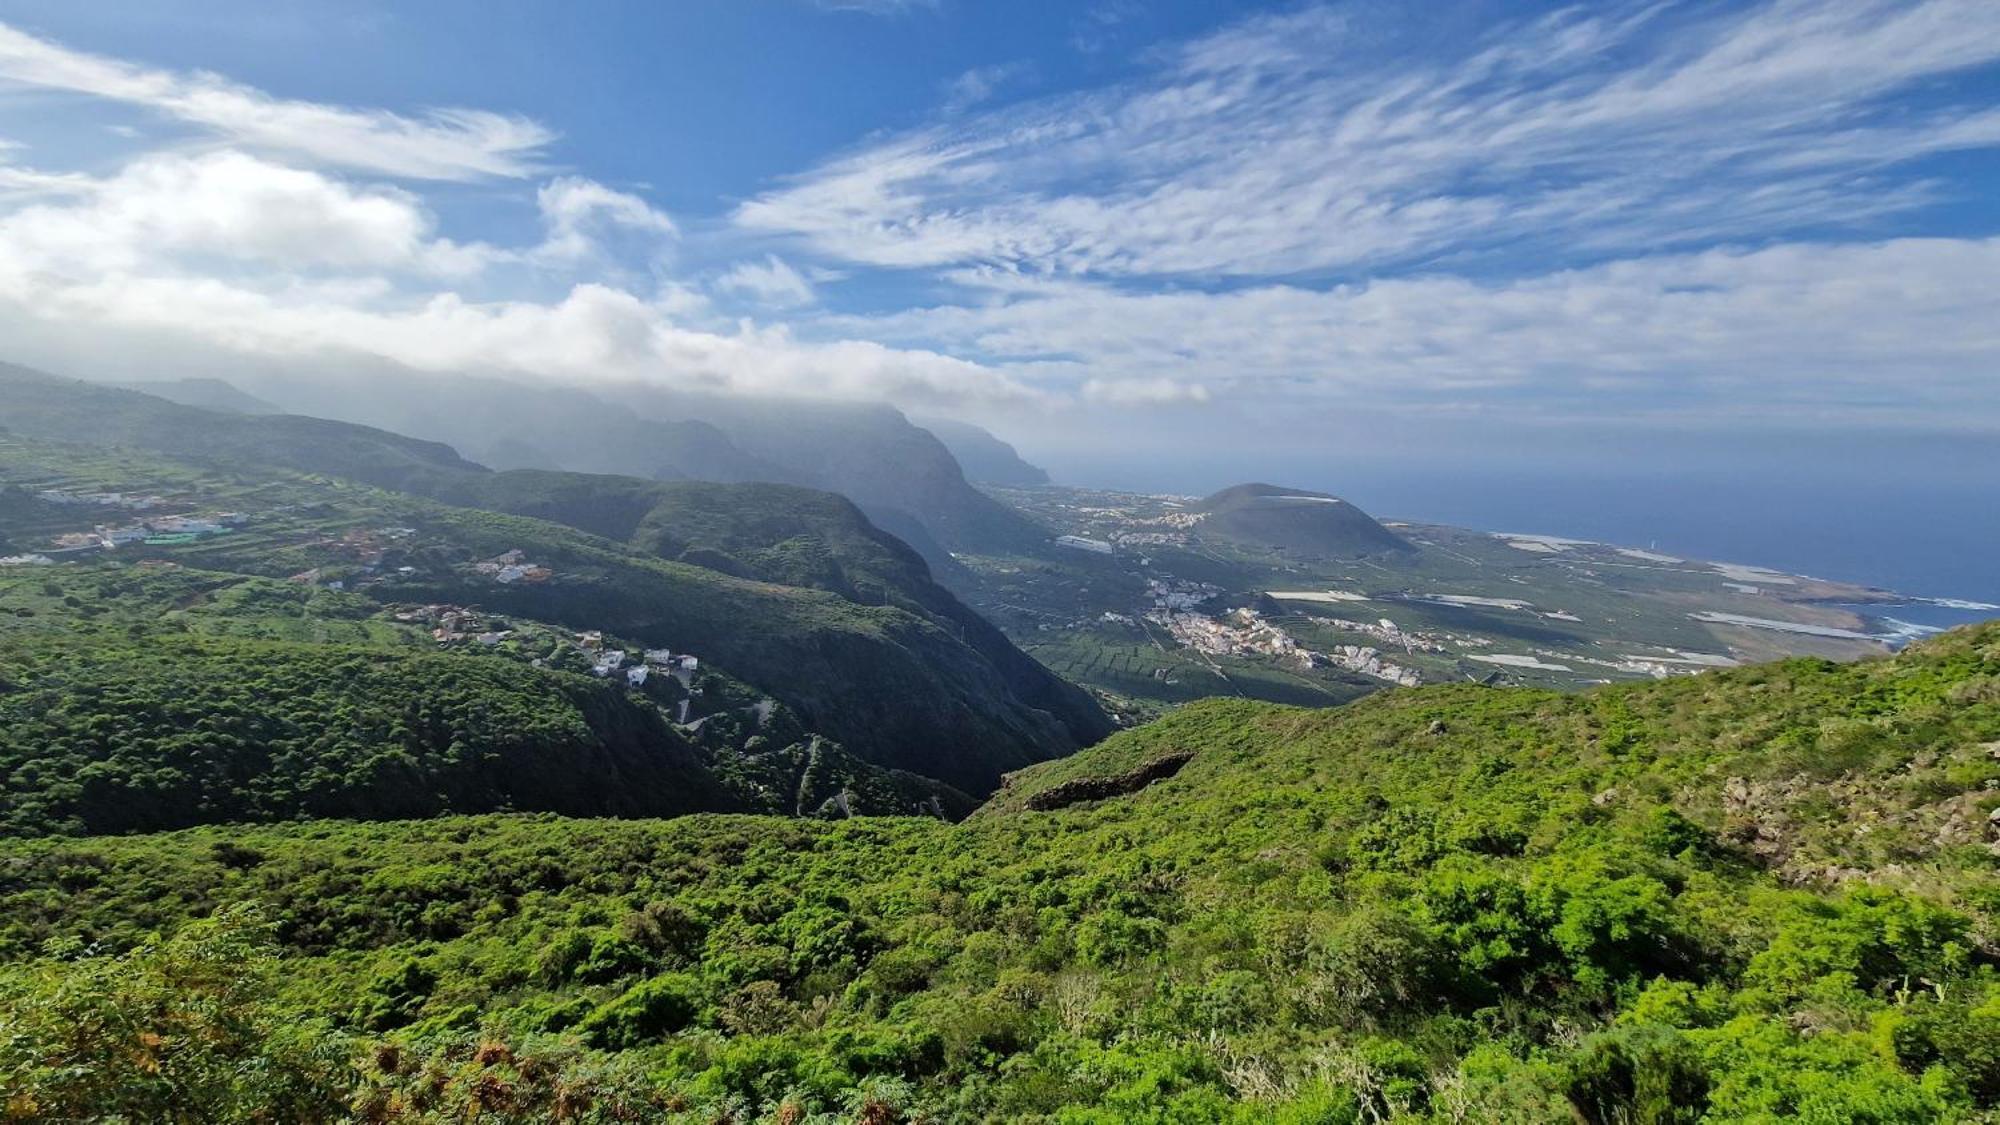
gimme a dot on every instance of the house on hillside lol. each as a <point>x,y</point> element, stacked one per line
<point>1079,543</point>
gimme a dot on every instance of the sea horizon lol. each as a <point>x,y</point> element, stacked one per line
<point>1925,540</point>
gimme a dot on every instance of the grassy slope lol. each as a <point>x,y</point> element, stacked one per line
<point>1801,718</point>
<point>169,732</point>
<point>1756,895</point>
<point>918,683</point>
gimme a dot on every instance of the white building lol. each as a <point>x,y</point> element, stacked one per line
<point>1079,543</point>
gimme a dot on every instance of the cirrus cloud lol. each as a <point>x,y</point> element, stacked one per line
<point>1297,145</point>
<point>439,144</point>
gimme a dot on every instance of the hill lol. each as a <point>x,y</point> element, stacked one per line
<point>52,408</point>
<point>901,475</point>
<point>507,424</point>
<point>1291,519</point>
<point>147,694</point>
<point>207,394</point>
<point>897,472</point>
<point>909,679</point>
<point>984,457</point>
<point>1753,895</point>
<point>166,732</point>
<point>954,699</point>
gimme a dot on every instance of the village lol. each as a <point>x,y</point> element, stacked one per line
<point>458,626</point>
<point>152,530</point>
<point>369,549</point>
<point>511,567</point>
<point>1245,632</point>
<point>1113,528</point>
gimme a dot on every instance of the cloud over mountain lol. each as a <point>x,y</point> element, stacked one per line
<point>1614,210</point>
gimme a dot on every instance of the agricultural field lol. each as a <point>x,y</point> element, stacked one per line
<point>1226,616</point>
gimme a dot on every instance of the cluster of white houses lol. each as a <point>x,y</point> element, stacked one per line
<point>613,661</point>
<point>1174,595</point>
<point>1245,632</point>
<point>453,624</point>
<point>1080,543</point>
<point>153,529</point>
<point>511,567</point>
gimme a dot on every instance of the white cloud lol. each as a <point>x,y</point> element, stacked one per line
<point>232,252</point>
<point>593,333</point>
<point>27,183</point>
<point>576,211</point>
<point>231,209</point>
<point>1135,392</point>
<point>251,250</point>
<point>1291,145</point>
<point>1906,330</point>
<point>1163,244</point>
<point>979,84</point>
<point>440,144</point>
<point>771,282</point>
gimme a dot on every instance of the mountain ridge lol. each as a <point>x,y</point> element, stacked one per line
<point>986,706</point>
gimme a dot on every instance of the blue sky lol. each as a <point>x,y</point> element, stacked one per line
<point>1127,222</point>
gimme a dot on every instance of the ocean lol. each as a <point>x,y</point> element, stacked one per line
<point>1935,537</point>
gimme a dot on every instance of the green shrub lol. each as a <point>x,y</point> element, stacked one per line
<point>645,1013</point>
<point>1638,1075</point>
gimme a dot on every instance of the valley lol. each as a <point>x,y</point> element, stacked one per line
<point>804,659</point>
<point>1154,608</point>
<point>920,562</point>
<point>342,777</point>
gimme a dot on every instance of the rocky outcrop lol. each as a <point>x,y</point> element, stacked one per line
<point>1078,790</point>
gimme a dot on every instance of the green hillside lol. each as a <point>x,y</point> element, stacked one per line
<point>1758,895</point>
<point>895,669</point>
<point>1292,519</point>
<point>903,476</point>
<point>152,695</point>
<point>900,474</point>
<point>169,733</point>
<point>33,404</point>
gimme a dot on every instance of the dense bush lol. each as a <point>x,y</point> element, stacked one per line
<point>1342,916</point>
<point>173,732</point>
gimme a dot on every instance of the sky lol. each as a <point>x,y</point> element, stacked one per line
<point>1758,236</point>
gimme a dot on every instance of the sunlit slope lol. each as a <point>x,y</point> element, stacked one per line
<point>791,589</point>
<point>1755,895</point>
